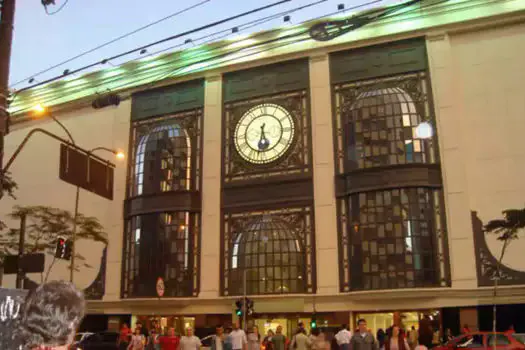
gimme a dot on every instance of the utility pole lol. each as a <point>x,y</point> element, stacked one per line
<point>7,19</point>
<point>21,243</point>
<point>245,301</point>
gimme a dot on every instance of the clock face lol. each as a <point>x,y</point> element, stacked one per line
<point>264,133</point>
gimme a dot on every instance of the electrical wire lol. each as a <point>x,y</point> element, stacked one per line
<point>241,27</point>
<point>58,10</point>
<point>112,41</point>
<point>211,25</point>
<point>164,75</point>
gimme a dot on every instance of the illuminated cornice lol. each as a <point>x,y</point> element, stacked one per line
<point>147,72</point>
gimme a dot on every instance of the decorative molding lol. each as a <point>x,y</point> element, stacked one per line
<point>319,58</point>
<point>437,36</point>
<point>97,288</point>
<point>487,264</point>
<point>213,78</point>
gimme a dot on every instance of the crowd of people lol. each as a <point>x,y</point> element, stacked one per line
<point>155,339</point>
<point>50,315</point>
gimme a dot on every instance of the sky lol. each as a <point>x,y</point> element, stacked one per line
<point>41,40</point>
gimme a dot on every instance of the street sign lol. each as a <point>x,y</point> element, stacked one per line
<point>31,263</point>
<point>161,288</point>
<point>86,171</point>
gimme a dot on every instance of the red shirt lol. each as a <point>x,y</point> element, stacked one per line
<point>124,334</point>
<point>169,343</point>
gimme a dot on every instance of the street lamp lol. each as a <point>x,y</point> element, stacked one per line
<point>42,111</point>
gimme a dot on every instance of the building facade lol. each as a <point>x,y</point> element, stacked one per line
<point>294,170</point>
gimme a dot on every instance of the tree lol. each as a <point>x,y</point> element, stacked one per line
<point>507,230</point>
<point>7,186</point>
<point>45,225</point>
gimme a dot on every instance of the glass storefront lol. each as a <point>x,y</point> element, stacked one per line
<point>405,319</point>
<point>180,323</point>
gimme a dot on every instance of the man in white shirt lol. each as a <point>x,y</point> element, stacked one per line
<point>343,338</point>
<point>189,341</point>
<point>238,338</point>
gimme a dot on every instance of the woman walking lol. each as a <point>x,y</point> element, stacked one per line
<point>397,340</point>
<point>137,341</point>
<point>254,339</point>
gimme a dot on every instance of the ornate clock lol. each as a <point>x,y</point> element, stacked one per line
<point>264,133</point>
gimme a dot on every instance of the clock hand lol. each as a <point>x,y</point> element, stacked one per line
<point>263,142</point>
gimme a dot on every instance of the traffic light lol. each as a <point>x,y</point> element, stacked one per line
<point>239,305</point>
<point>249,307</point>
<point>68,249</point>
<point>60,250</point>
<point>313,322</point>
<point>63,248</point>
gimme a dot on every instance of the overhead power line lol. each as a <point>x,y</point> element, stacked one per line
<point>192,31</point>
<point>228,32</point>
<point>111,41</point>
<point>57,11</point>
<point>165,75</point>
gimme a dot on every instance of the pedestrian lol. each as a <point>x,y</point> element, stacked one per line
<point>363,339</point>
<point>170,341</point>
<point>125,336</point>
<point>218,339</point>
<point>50,316</point>
<point>320,342</point>
<point>397,340</point>
<point>448,335</point>
<point>143,330</point>
<point>228,338</point>
<point>425,332</point>
<point>238,338</point>
<point>279,339</point>
<point>314,333</point>
<point>267,342</point>
<point>301,341</point>
<point>137,340</point>
<point>343,338</point>
<point>153,340</point>
<point>189,341</point>
<point>412,338</point>
<point>381,337</point>
<point>254,339</point>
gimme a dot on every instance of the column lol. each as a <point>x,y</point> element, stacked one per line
<point>323,165</point>
<point>448,109</point>
<point>211,189</point>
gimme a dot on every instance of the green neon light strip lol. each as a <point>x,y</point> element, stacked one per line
<point>280,42</point>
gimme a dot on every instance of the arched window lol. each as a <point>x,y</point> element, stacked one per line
<point>162,207</point>
<point>380,128</point>
<point>161,244</point>
<point>390,210</point>
<point>163,160</point>
<point>272,252</point>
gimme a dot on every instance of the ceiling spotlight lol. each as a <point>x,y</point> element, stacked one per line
<point>235,30</point>
<point>143,51</point>
<point>340,7</point>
